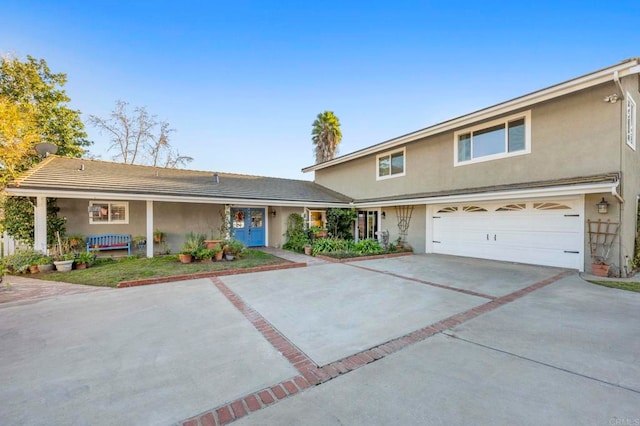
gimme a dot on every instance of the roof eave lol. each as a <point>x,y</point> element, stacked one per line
<point>95,195</point>
<point>623,69</point>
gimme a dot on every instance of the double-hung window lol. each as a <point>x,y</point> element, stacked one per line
<point>501,138</point>
<point>108,212</point>
<point>631,122</point>
<point>391,164</point>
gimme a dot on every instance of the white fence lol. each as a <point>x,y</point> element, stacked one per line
<point>8,245</point>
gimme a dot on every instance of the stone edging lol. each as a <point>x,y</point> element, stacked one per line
<point>209,274</point>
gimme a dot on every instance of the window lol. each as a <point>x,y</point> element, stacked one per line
<point>631,122</point>
<point>498,139</point>
<point>391,164</point>
<point>108,212</point>
<point>316,218</point>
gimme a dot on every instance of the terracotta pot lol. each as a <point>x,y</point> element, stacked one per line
<point>82,265</point>
<point>34,269</point>
<point>185,258</point>
<point>600,270</point>
<point>212,244</point>
<point>321,234</point>
<point>218,255</point>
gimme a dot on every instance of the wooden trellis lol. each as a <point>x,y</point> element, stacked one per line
<point>602,234</point>
<point>403,213</point>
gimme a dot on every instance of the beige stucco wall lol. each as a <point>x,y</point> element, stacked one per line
<point>174,219</point>
<point>417,227</point>
<point>278,225</point>
<point>576,135</point>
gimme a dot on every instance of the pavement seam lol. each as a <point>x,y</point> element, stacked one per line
<point>443,286</point>
<point>313,375</point>
<point>555,367</point>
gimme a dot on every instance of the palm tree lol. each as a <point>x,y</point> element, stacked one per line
<point>326,135</point>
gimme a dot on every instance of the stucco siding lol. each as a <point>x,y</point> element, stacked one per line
<point>417,227</point>
<point>576,135</point>
<point>278,225</point>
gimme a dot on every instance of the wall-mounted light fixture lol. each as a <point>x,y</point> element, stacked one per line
<point>384,215</point>
<point>612,99</point>
<point>273,212</point>
<point>603,206</point>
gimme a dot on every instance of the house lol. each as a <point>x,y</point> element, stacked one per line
<point>99,197</point>
<point>518,181</point>
<point>540,179</point>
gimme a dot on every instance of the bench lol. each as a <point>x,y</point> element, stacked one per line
<point>109,242</point>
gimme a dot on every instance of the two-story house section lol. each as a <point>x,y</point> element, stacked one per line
<point>518,181</point>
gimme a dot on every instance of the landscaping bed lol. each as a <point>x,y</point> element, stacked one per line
<point>621,285</point>
<point>109,273</point>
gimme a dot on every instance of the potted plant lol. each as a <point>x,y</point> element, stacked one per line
<point>192,244</point>
<point>599,267</point>
<point>308,248</point>
<point>218,253</point>
<point>139,241</point>
<point>204,254</point>
<point>64,262</point>
<point>398,243</point>
<point>84,260</point>
<point>223,231</point>
<point>232,249</point>
<point>158,236</point>
<point>75,241</point>
<point>319,232</point>
<point>44,264</point>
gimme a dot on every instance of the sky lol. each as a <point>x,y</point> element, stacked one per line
<point>241,82</point>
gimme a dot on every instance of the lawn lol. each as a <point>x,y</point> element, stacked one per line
<point>109,273</point>
<point>622,285</point>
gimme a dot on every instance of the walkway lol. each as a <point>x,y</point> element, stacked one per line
<point>293,257</point>
<point>17,288</point>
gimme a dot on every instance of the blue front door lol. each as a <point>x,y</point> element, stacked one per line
<point>248,226</point>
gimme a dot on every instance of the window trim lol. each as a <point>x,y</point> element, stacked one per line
<point>630,115</point>
<point>505,120</point>
<point>389,154</point>
<point>110,203</point>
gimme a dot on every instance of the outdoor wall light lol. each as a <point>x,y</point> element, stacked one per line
<point>384,215</point>
<point>273,213</point>
<point>603,206</point>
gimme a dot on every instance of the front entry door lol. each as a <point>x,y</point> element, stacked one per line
<point>248,226</point>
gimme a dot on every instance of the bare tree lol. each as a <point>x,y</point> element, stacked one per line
<point>138,137</point>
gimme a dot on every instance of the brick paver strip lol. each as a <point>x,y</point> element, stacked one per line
<point>313,375</point>
<point>226,272</point>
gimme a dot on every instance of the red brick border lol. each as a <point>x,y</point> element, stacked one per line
<point>359,258</point>
<point>311,374</point>
<point>224,272</point>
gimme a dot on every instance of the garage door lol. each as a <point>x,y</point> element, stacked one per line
<point>537,232</point>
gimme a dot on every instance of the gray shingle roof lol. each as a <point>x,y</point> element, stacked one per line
<point>65,174</point>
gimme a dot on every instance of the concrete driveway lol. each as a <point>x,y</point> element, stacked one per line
<point>409,340</point>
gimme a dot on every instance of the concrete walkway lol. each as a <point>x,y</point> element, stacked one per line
<point>293,257</point>
<point>25,289</point>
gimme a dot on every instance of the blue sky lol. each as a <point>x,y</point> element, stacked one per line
<point>242,81</point>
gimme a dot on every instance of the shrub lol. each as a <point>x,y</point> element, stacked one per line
<point>367,247</point>
<point>340,222</point>
<point>297,236</point>
<point>332,245</point>
<point>21,260</point>
<point>193,243</point>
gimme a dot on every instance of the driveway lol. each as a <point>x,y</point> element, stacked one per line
<point>408,340</point>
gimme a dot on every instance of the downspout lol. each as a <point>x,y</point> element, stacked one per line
<point>616,78</point>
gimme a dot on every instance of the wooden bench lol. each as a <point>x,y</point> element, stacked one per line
<point>109,242</point>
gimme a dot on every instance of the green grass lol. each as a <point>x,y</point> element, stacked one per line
<point>629,286</point>
<point>108,273</point>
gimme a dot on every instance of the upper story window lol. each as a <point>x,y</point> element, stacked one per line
<point>391,164</point>
<point>631,122</point>
<point>108,212</point>
<point>501,138</point>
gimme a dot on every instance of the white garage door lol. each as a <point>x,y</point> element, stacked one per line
<point>537,232</point>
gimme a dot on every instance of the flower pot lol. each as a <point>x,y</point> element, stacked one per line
<point>63,265</point>
<point>229,256</point>
<point>185,258</point>
<point>82,265</point>
<point>47,267</point>
<point>33,269</point>
<point>212,244</point>
<point>321,234</point>
<point>308,250</point>
<point>600,270</point>
<point>218,255</point>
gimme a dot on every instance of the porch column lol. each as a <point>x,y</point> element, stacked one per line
<point>149,228</point>
<point>40,225</point>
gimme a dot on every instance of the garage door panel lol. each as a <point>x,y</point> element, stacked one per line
<point>529,235</point>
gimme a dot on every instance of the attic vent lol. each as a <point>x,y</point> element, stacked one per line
<point>81,167</point>
<point>216,178</point>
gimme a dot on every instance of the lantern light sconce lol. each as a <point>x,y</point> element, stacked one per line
<point>603,206</point>
<point>384,215</point>
<point>273,212</point>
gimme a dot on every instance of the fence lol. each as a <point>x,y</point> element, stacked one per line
<point>8,245</point>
